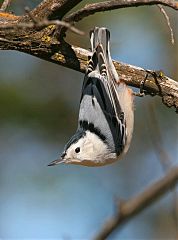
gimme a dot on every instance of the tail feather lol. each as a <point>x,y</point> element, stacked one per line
<point>101,36</point>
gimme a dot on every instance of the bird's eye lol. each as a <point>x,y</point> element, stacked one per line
<point>77,150</point>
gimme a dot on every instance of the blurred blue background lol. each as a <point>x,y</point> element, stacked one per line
<point>39,110</point>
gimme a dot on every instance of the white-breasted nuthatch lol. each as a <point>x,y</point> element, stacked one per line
<point>106,118</point>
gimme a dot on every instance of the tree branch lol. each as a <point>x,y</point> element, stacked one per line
<point>52,9</point>
<point>93,8</point>
<point>77,58</point>
<point>39,25</point>
<point>128,209</point>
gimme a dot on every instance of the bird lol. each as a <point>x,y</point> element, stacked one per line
<point>106,112</point>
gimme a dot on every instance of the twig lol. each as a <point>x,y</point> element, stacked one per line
<point>39,25</point>
<point>132,75</point>
<point>90,9</point>
<point>128,209</point>
<point>5,5</point>
<point>168,22</point>
<point>53,9</point>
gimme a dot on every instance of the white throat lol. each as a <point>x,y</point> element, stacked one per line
<point>96,151</point>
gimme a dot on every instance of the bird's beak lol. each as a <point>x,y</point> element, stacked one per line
<point>56,162</point>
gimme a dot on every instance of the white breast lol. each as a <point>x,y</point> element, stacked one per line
<point>95,151</point>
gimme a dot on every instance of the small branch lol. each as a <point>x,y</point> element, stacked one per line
<point>52,9</point>
<point>5,5</point>
<point>93,8</point>
<point>77,59</point>
<point>168,22</point>
<point>128,209</point>
<point>39,25</point>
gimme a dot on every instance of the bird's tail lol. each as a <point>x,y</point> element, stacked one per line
<point>100,45</point>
